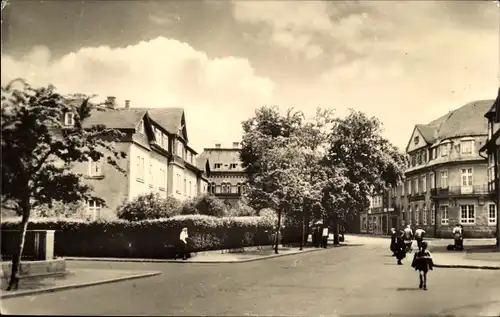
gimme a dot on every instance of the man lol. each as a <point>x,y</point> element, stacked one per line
<point>394,247</point>
<point>419,236</point>
<point>408,237</point>
<point>400,247</point>
<point>324,237</point>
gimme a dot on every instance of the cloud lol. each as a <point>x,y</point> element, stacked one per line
<point>405,62</point>
<point>216,93</point>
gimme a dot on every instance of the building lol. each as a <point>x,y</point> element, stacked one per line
<point>447,181</point>
<point>227,175</point>
<point>383,213</point>
<point>491,150</point>
<point>159,157</point>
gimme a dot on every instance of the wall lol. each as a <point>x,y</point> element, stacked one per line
<point>176,179</point>
<point>138,184</point>
<point>115,194</point>
<point>191,184</point>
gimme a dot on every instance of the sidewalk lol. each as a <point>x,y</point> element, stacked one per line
<point>463,260</point>
<point>217,256</point>
<point>76,278</point>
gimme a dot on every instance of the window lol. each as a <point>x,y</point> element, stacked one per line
<point>239,189</point>
<point>424,216</point>
<point>410,215</point>
<point>95,168</point>
<point>466,175</point>
<point>466,146</point>
<point>178,189</point>
<point>158,135</point>
<point>424,156</point>
<point>185,189</point>
<point>151,177</point>
<point>212,188</point>
<point>467,215</point>
<point>433,214</point>
<point>94,209</point>
<point>444,149</point>
<point>225,188</point>
<point>424,184</point>
<point>444,179</point>
<point>140,168</point>
<point>492,214</point>
<point>416,186</point>
<point>409,186</point>
<point>164,142</point>
<point>232,166</point>
<point>443,211</point>
<point>415,140</point>
<point>69,119</point>
<point>163,179</point>
<point>419,158</point>
<point>417,215</point>
<point>403,189</point>
<point>190,189</point>
<point>141,127</point>
<point>217,165</point>
<point>179,149</point>
<point>432,180</point>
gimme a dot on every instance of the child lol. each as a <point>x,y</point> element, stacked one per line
<point>422,262</point>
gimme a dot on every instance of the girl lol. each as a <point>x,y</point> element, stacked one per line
<point>422,262</point>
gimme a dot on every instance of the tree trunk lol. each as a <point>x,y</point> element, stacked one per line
<point>16,260</point>
<point>278,233</point>
<point>303,228</point>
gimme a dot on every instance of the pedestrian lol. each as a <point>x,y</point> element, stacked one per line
<point>324,237</point>
<point>394,237</point>
<point>422,262</point>
<point>408,237</point>
<point>318,236</point>
<point>400,247</point>
<point>419,237</point>
<point>457,236</point>
<point>183,243</point>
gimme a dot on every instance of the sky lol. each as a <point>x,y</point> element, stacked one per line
<point>405,62</point>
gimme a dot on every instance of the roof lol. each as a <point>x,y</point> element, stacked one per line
<point>169,118</point>
<point>115,118</point>
<point>464,121</point>
<point>224,157</point>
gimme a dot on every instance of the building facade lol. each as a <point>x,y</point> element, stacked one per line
<point>384,212</point>
<point>491,151</point>
<point>227,176</point>
<point>447,181</point>
<point>158,159</point>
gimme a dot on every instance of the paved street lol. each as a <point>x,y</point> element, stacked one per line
<point>344,281</point>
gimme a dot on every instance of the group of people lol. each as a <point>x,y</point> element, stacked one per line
<point>401,244</point>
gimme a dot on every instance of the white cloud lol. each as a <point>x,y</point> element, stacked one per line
<point>404,62</point>
<point>216,93</point>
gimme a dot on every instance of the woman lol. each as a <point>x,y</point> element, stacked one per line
<point>394,237</point>
<point>400,247</point>
<point>183,246</point>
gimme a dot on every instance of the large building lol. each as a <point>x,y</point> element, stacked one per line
<point>227,175</point>
<point>159,158</point>
<point>447,180</point>
<point>492,149</point>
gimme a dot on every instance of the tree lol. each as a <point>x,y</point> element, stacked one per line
<point>149,206</point>
<point>370,163</point>
<point>38,150</point>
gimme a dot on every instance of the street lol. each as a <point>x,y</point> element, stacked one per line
<point>349,280</point>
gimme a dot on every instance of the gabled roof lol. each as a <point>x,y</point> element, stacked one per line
<point>169,118</point>
<point>464,121</point>
<point>115,118</point>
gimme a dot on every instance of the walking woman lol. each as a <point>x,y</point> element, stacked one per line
<point>183,244</point>
<point>400,248</point>
<point>394,237</point>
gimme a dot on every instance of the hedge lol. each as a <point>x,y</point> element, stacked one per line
<point>150,238</point>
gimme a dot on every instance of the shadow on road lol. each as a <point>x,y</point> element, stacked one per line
<point>402,289</point>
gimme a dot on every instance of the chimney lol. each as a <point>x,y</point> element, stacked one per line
<point>236,145</point>
<point>110,102</point>
<point>127,104</point>
<point>217,145</point>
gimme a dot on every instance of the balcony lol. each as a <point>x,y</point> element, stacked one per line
<point>451,191</point>
<point>416,196</point>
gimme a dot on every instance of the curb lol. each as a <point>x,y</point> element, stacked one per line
<point>265,257</point>
<point>464,266</point>
<point>6,294</point>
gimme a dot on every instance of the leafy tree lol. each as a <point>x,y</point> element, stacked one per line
<point>369,163</point>
<point>149,206</point>
<point>207,205</point>
<point>38,150</point>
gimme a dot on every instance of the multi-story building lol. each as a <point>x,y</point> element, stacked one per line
<point>447,181</point>
<point>492,149</point>
<point>159,157</point>
<point>383,213</point>
<point>227,175</point>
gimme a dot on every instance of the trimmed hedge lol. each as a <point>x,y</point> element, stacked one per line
<point>150,238</point>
